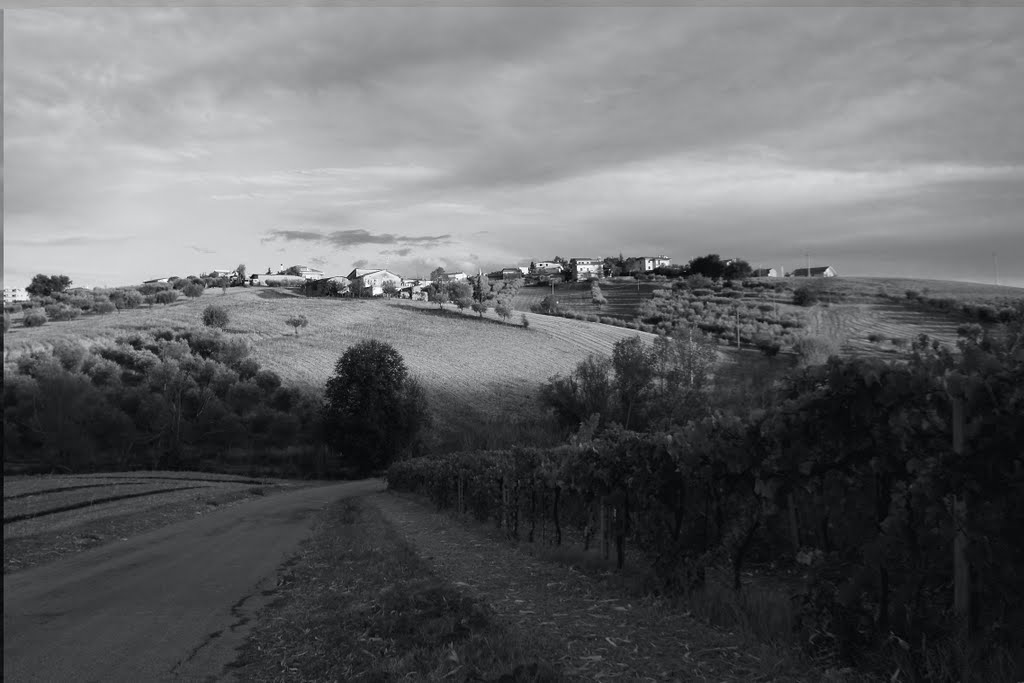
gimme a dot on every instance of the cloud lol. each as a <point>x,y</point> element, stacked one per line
<point>404,251</point>
<point>201,250</point>
<point>356,237</point>
<point>361,263</point>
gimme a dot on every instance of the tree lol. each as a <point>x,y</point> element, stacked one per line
<point>390,289</point>
<point>241,273</point>
<point>45,285</point>
<point>503,310</point>
<point>737,270</point>
<point>297,322</point>
<point>461,291</point>
<point>634,365</point>
<point>215,316</point>
<point>193,290</point>
<point>373,409</point>
<point>437,274</point>
<point>167,296</point>
<point>293,270</point>
<point>480,307</point>
<point>710,266</point>
<point>440,292</point>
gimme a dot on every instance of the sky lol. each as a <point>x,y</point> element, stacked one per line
<point>148,142</point>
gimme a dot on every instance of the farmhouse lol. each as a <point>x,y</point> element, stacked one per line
<point>547,266</point>
<point>454,277</point>
<point>310,273</point>
<point>817,271</point>
<point>764,272</point>
<point>646,264</point>
<point>586,268</point>
<point>14,295</point>
<point>222,272</point>
<point>371,282</point>
<point>159,280</point>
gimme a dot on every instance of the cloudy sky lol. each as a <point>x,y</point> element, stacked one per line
<point>141,143</point>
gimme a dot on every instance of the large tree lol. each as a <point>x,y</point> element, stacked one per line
<point>374,408</point>
<point>45,285</point>
<point>437,274</point>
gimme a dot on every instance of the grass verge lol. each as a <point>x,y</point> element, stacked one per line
<point>358,604</point>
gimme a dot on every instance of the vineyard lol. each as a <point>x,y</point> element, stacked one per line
<point>896,489</point>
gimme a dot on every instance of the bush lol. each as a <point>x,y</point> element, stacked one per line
<point>525,321</point>
<point>62,312</point>
<point>805,296</point>
<point>34,318</point>
<point>103,307</point>
<point>215,316</point>
<point>194,290</point>
<point>874,337</point>
<point>912,294</point>
<point>815,350</point>
<point>167,296</point>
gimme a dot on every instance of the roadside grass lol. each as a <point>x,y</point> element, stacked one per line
<point>357,604</point>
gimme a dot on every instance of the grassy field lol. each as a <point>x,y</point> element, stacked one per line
<point>465,362</point>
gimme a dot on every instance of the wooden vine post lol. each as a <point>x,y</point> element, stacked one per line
<point>961,567</point>
<point>794,530</point>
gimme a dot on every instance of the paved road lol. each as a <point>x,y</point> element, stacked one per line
<point>172,604</point>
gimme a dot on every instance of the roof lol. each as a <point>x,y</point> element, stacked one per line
<point>815,270</point>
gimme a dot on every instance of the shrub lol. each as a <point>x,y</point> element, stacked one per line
<point>34,318</point>
<point>103,307</point>
<point>875,337</point>
<point>702,292</point>
<point>525,321</point>
<point>167,296</point>
<point>194,290</point>
<point>62,312</point>
<point>805,296</point>
<point>912,294</point>
<point>815,350</point>
<point>215,316</point>
<point>503,310</point>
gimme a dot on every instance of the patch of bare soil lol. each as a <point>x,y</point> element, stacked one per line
<point>590,630</point>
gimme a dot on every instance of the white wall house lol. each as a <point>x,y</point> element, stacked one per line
<point>370,282</point>
<point>586,268</point>
<point>647,263</point>
<point>14,295</point>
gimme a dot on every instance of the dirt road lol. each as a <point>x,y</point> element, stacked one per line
<point>171,604</point>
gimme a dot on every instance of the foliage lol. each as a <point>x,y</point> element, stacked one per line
<point>7,322</point>
<point>849,471</point>
<point>390,289</point>
<point>167,296</point>
<point>639,386</point>
<point>374,409</point>
<point>62,312</point>
<point>241,273</point>
<point>215,316</point>
<point>45,285</point>
<point>806,295</point>
<point>503,309</point>
<point>524,321</point>
<point>480,307</point>
<point>815,349</point>
<point>162,400</point>
<point>437,274</point>
<point>296,322</point>
<point>193,290</point>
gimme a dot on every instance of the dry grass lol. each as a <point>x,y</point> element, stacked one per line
<point>357,604</point>
<point>461,359</point>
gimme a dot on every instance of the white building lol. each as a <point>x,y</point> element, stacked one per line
<point>14,295</point>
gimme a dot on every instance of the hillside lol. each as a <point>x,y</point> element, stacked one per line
<point>486,366</point>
